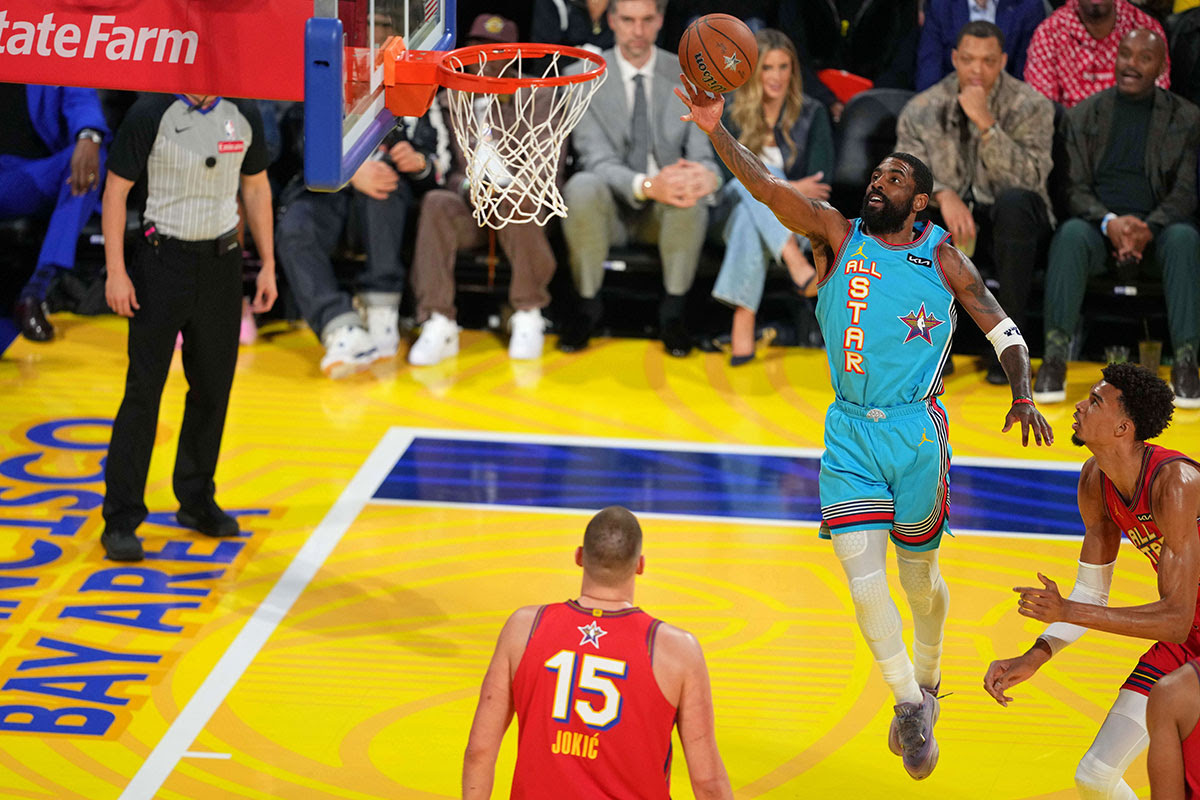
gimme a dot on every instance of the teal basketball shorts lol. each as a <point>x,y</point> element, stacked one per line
<point>887,468</point>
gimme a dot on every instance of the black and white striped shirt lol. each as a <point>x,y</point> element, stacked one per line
<point>193,159</point>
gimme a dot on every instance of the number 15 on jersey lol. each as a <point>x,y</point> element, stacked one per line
<point>594,677</point>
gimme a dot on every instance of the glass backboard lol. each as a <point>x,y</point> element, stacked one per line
<point>344,44</point>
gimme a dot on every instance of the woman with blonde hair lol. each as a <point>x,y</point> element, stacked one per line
<point>793,136</point>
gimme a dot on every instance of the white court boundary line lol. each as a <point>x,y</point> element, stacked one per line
<point>266,618</point>
<point>229,669</point>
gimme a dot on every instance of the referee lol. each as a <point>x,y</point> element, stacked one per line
<point>185,276</point>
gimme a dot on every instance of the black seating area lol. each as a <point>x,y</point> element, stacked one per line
<point>1116,310</point>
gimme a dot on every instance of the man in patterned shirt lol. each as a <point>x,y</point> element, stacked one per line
<point>1073,53</point>
<point>988,137</point>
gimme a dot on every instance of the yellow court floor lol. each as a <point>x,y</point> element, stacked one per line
<point>336,649</point>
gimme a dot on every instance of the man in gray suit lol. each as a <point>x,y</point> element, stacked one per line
<point>645,176</point>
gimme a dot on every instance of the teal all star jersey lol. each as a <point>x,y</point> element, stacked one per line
<point>887,314</point>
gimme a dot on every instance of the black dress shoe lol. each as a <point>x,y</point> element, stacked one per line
<point>576,334</point>
<point>121,545</point>
<point>31,316</point>
<point>676,339</point>
<point>211,521</point>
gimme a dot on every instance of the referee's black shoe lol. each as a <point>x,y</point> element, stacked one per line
<point>121,545</point>
<point>209,520</point>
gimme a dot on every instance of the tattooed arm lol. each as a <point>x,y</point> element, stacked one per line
<point>816,219</point>
<point>974,296</point>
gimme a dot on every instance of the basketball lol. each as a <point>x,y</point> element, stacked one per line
<point>718,53</point>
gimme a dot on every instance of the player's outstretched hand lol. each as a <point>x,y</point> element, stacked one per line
<point>1030,419</point>
<point>1044,603</point>
<point>1005,673</point>
<point>704,109</point>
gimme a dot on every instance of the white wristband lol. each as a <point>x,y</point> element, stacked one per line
<point>1091,586</point>
<point>1109,217</point>
<point>1005,335</point>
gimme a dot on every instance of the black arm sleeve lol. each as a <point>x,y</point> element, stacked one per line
<point>135,138</point>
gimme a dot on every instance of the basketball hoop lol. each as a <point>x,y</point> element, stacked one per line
<point>511,127</point>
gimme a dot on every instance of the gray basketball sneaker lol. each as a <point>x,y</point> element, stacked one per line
<point>914,734</point>
<point>894,728</point>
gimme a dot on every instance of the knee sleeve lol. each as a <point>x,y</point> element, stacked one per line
<point>877,614</point>
<point>864,557</point>
<point>920,579</point>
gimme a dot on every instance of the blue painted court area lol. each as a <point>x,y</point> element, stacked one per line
<point>698,482</point>
<point>8,332</point>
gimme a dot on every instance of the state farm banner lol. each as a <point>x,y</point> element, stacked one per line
<point>226,47</point>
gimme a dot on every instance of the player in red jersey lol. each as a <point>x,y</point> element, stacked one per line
<point>1173,720</point>
<point>596,684</point>
<point>1151,495</point>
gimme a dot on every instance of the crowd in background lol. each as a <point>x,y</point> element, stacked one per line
<point>1017,135</point>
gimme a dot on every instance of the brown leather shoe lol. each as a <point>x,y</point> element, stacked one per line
<point>30,315</point>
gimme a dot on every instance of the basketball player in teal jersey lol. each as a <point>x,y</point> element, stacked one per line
<point>886,308</point>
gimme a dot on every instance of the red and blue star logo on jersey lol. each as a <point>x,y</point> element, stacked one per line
<point>920,324</point>
<point>591,634</point>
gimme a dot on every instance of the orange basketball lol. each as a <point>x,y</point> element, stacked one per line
<point>718,53</point>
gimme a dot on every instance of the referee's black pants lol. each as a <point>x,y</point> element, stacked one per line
<point>181,287</point>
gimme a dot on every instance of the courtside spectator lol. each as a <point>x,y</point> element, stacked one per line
<point>988,137</point>
<point>644,176</point>
<point>575,23</point>
<point>382,192</point>
<point>446,225</point>
<point>51,164</point>
<point>876,39</point>
<point>1072,53</point>
<point>1132,154</point>
<point>1016,19</point>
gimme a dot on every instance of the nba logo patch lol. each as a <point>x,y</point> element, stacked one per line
<point>230,131</point>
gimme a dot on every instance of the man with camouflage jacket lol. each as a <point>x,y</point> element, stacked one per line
<point>987,137</point>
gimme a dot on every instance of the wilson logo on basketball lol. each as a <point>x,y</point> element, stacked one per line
<point>706,76</point>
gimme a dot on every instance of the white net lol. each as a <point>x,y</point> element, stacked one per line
<point>513,143</point>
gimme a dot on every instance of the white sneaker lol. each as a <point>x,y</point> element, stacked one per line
<point>528,332</point>
<point>437,342</point>
<point>383,323</point>
<point>348,350</point>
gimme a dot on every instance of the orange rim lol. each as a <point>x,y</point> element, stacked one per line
<point>453,78</point>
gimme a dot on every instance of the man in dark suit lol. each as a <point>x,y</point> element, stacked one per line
<point>1132,156</point>
<point>644,176</point>
<point>1016,19</point>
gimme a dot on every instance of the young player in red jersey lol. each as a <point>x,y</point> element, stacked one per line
<point>1173,721</point>
<point>596,684</point>
<point>1151,495</point>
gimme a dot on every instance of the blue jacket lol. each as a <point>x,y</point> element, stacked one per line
<point>59,113</point>
<point>1016,19</point>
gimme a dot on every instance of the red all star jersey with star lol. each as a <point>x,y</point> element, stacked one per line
<point>1135,517</point>
<point>593,722</point>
